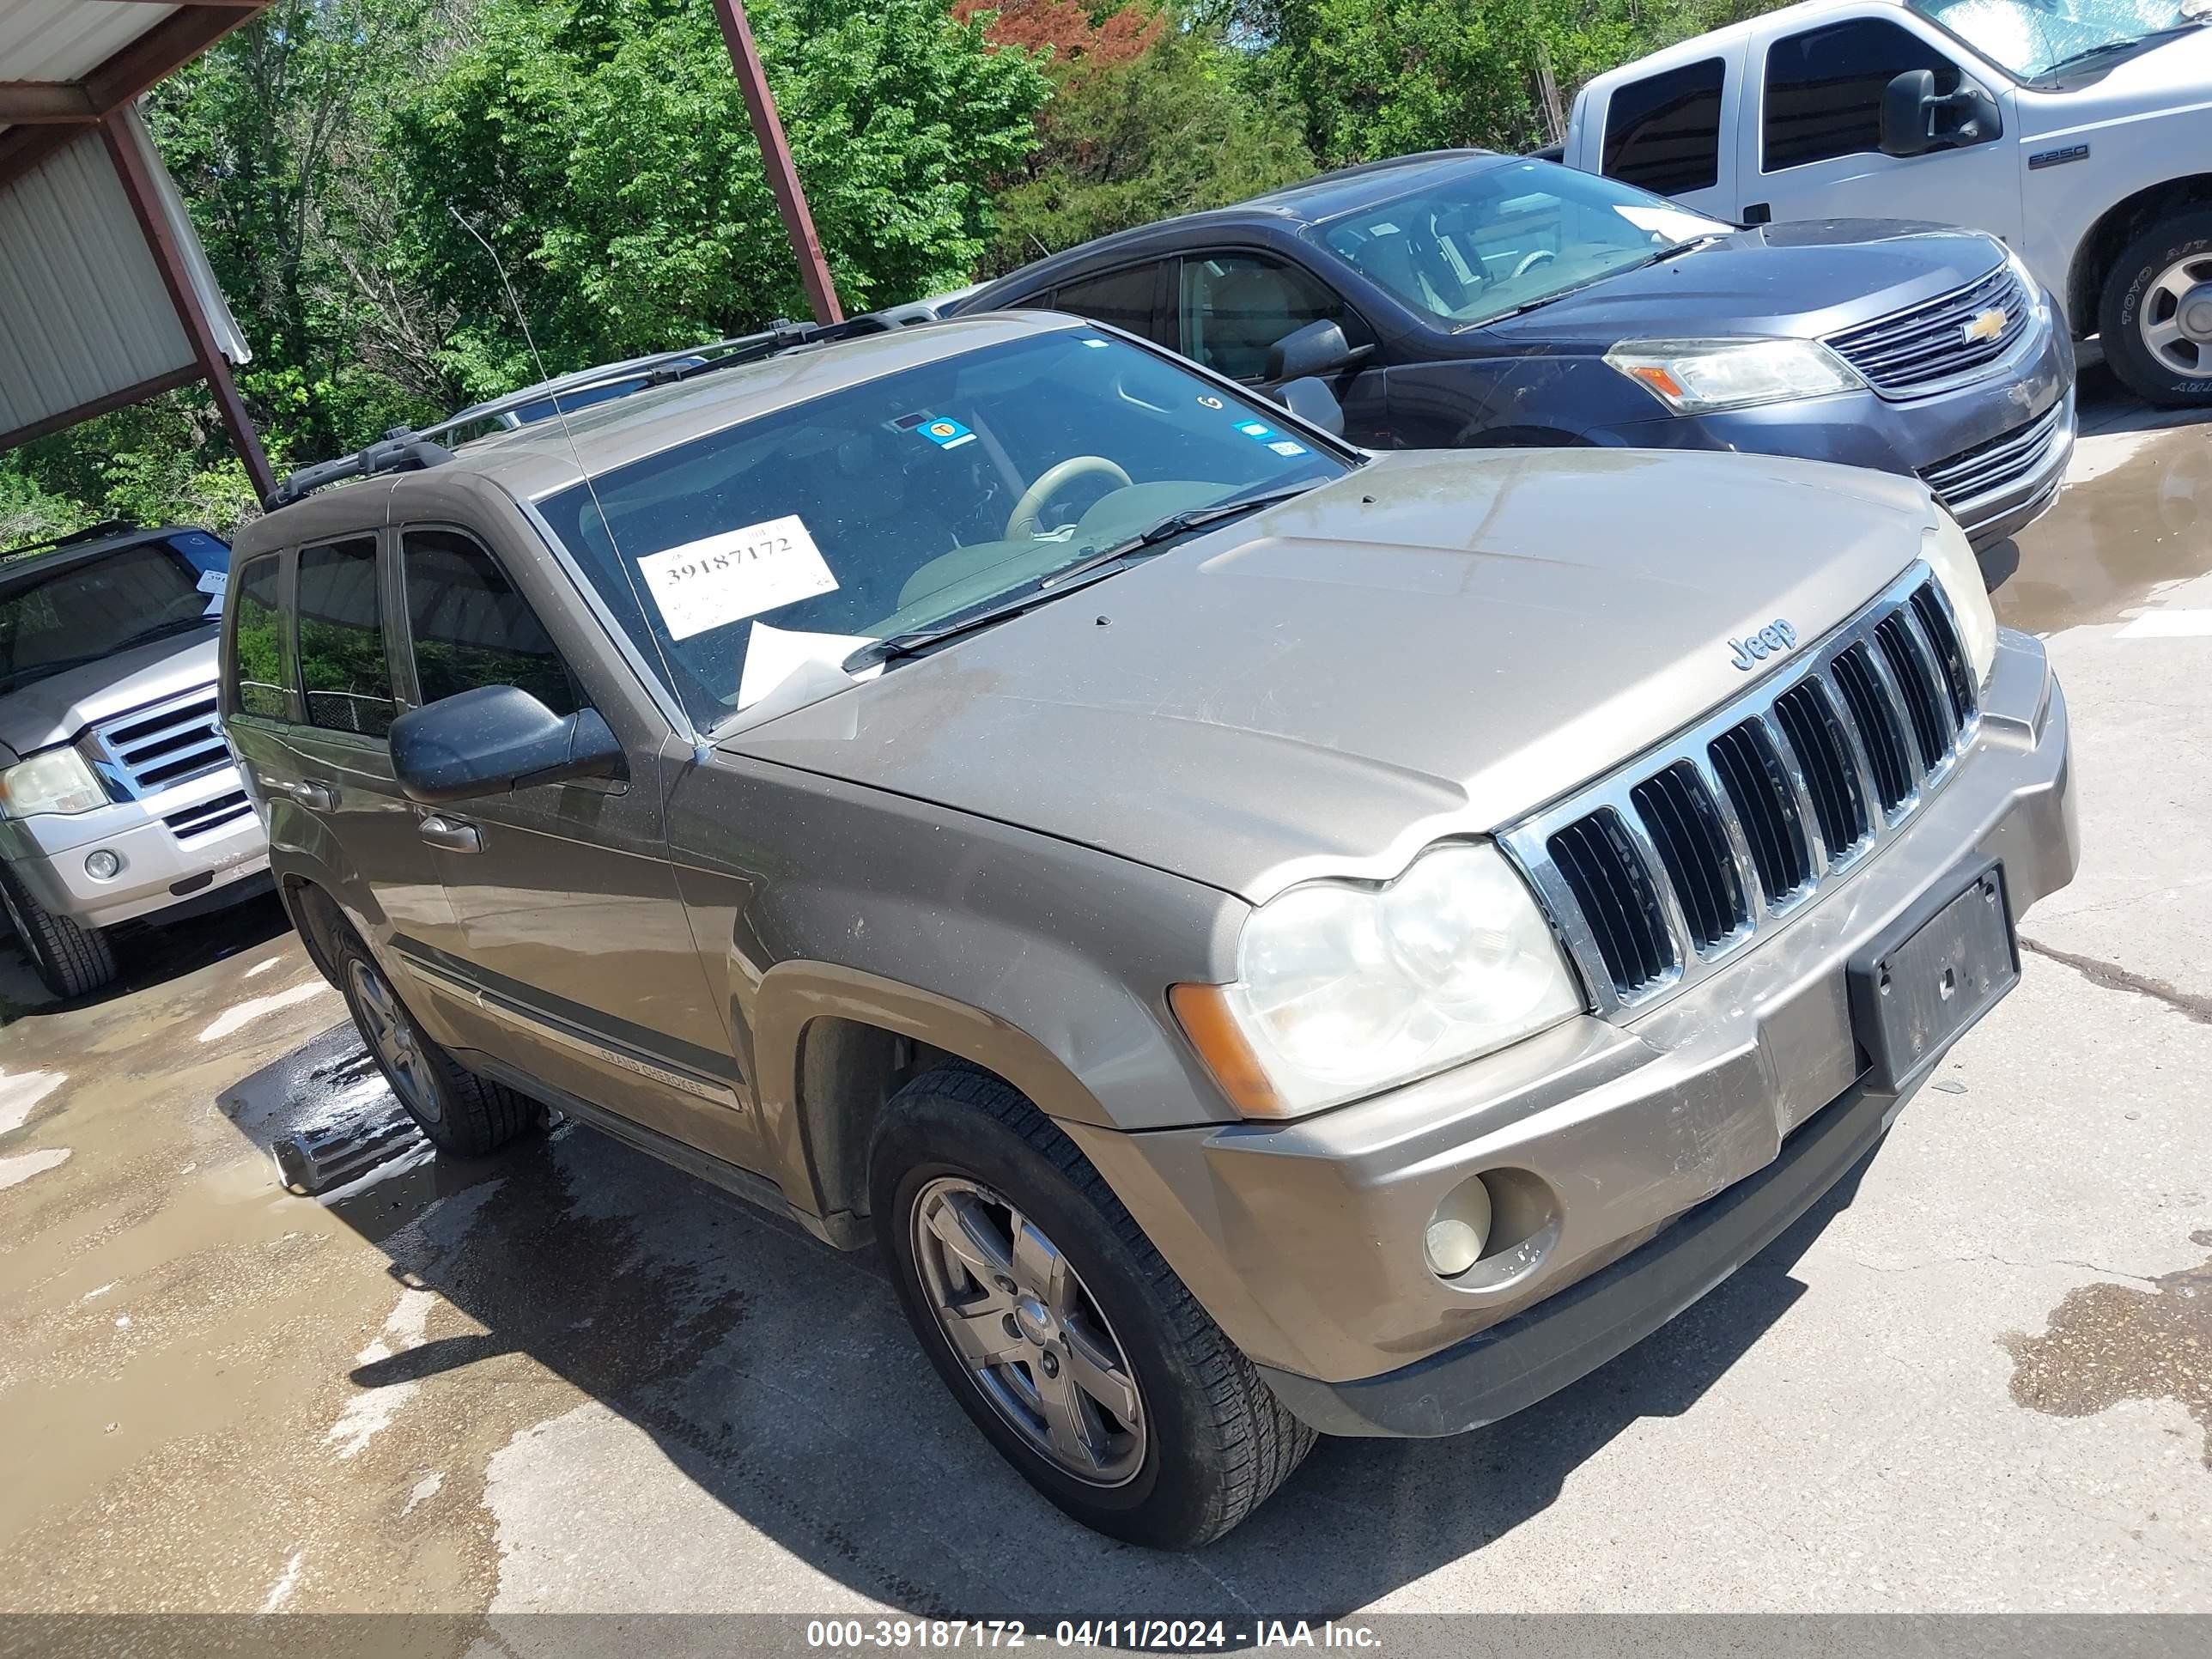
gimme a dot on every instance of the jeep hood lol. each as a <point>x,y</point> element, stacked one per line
<point>55,709</point>
<point>1436,643</point>
<point>1803,278</point>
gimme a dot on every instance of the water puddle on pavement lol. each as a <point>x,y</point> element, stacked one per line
<point>2126,528</point>
<point>2109,1342</point>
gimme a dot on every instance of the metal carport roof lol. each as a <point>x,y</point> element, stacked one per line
<point>105,297</point>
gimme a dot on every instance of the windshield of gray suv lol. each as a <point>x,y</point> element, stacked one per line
<point>2032,38</point>
<point>1502,239</point>
<point>86,611</point>
<point>841,530</point>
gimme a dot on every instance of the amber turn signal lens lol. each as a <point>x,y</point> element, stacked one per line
<point>1203,1012</point>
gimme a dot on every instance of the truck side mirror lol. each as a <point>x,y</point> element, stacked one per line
<point>1312,402</point>
<point>1915,119</point>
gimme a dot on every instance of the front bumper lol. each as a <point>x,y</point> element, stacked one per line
<point>1985,448</point>
<point>192,844</point>
<point>1741,1094</point>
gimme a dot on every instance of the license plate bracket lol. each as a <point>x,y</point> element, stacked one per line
<point>1945,964</point>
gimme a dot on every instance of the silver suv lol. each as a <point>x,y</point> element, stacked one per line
<point>118,802</point>
<point>1265,938</point>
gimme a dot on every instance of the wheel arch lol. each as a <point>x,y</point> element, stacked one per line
<point>2119,224</point>
<point>832,1044</point>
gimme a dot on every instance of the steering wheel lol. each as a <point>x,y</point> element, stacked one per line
<point>1024,520</point>
<point>1529,261</point>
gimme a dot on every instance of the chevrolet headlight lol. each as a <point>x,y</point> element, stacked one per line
<point>2017,266</point>
<point>1697,377</point>
<point>58,780</point>
<point>1945,547</point>
<point>1344,989</point>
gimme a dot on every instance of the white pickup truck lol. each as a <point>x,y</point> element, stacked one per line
<point>2078,130</point>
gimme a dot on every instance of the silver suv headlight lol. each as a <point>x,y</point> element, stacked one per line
<point>1698,377</point>
<point>1944,545</point>
<point>1343,989</point>
<point>58,780</point>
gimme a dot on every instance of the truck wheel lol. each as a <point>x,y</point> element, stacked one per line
<point>461,1113</point>
<point>72,961</point>
<point>1063,1335</point>
<point>2156,315</point>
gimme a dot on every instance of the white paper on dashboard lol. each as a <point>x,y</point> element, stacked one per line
<point>215,584</point>
<point>773,655</point>
<point>1680,223</point>
<point>721,579</point>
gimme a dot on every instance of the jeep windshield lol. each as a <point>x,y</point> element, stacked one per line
<point>84,610</point>
<point>2032,39</point>
<point>1499,239</point>
<point>911,508</point>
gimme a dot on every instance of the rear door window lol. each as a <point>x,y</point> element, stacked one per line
<point>1823,89</point>
<point>1664,132</point>
<point>343,666</point>
<point>260,666</point>
<point>471,626</point>
<point>1126,299</point>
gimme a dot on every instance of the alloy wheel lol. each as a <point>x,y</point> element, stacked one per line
<point>391,1034</point>
<point>1020,1318</point>
<point>2175,317</point>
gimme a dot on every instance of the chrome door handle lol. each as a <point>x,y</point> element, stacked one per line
<point>451,834</point>
<point>315,797</point>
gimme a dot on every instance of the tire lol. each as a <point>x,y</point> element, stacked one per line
<point>2129,296</point>
<point>1214,1441</point>
<point>72,961</point>
<point>461,1114</point>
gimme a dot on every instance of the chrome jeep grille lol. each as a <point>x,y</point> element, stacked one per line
<point>1912,352</point>
<point>1657,874</point>
<point>146,751</point>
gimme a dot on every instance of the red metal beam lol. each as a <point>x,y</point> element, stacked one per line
<point>782,173</point>
<point>26,102</point>
<point>108,404</point>
<point>169,45</point>
<point>128,146</point>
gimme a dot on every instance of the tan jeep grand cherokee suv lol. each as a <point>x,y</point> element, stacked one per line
<point>1266,938</point>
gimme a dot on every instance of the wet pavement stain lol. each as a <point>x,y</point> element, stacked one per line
<point>2099,551</point>
<point>2109,1342</point>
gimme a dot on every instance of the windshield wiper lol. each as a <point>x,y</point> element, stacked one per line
<point>1091,568</point>
<point>34,672</point>
<point>1174,524</point>
<point>2112,48</point>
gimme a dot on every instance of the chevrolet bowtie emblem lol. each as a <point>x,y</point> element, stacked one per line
<point>1987,326</point>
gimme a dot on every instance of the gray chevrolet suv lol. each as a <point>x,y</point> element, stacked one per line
<point>118,802</point>
<point>1264,938</point>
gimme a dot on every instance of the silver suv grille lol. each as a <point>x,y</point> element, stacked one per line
<point>1911,353</point>
<point>1657,875</point>
<point>166,742</point>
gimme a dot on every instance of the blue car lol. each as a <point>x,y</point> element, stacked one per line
<point>1465,298</point>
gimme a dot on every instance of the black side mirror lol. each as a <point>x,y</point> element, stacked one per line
<point>491,738</point>
<point>1312,402</point>
<point>1319,348</point>
<point>1915,120</point>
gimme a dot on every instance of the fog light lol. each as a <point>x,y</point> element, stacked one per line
<point>1459,1229</point>
<point>102,865</point>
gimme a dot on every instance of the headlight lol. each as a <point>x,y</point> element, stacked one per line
<point>1343,989</point>
<point>2019,268</point>
<point>1951,558</point>
<point>1695,377</point>
<point>57,781</point>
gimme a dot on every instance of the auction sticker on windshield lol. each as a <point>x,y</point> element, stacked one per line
<point>721,579</point>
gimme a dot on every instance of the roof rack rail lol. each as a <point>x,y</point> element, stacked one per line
<point>405,449</point>
<point>91,532</point>
<point>399,451</point>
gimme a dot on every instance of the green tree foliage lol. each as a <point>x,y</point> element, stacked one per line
<point>603,148</point>
<point>1382,78</point>
<point>1172,125</point>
